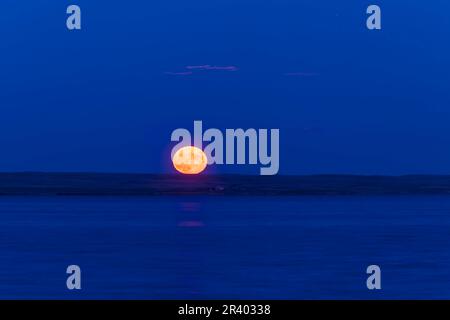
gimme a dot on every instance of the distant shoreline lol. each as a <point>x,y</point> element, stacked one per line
<point>124,184</point>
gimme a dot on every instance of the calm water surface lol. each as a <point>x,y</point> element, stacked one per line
<point>225,247</point>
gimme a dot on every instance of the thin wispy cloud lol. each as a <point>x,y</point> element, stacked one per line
<point>191,69</point>
<point>208,67</point>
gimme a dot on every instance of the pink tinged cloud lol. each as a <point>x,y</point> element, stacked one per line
<point>208,67</point>
<point>204,67</point>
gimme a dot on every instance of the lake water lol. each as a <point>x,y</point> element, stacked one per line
<point>225,247</point>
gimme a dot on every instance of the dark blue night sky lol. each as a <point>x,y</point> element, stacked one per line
<point>106,98</point>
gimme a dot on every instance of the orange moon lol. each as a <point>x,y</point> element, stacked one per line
<point>189,160</point>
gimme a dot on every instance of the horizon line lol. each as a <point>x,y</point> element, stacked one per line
<point>229,174</point>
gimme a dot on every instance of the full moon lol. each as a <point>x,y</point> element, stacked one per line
<point>189,160</point>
